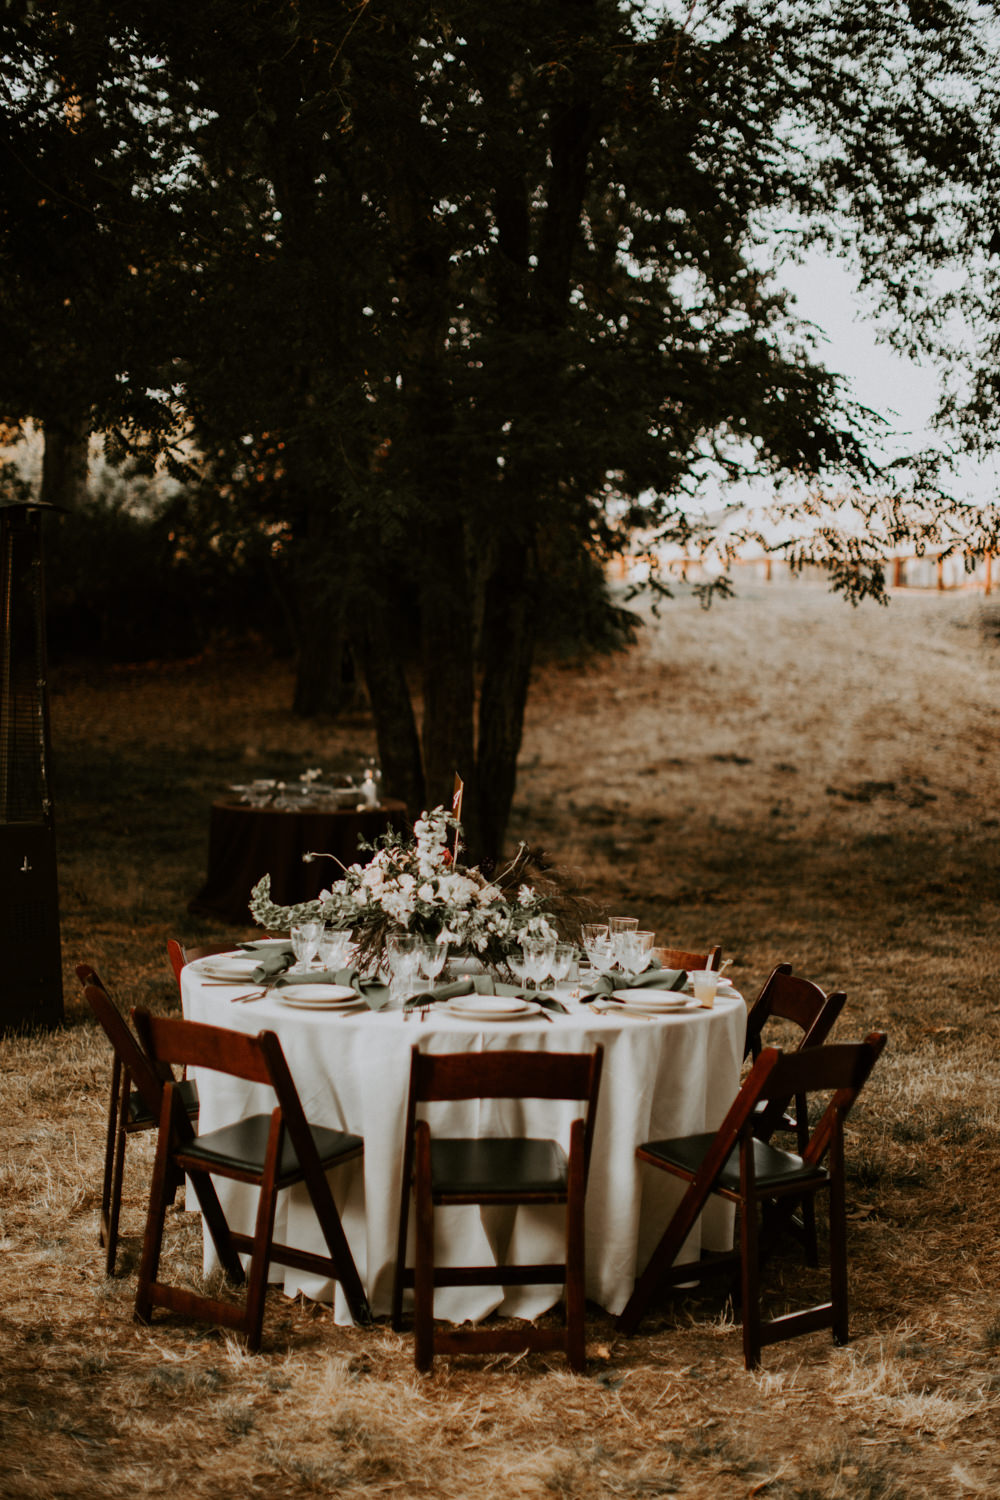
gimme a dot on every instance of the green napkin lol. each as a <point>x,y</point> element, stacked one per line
<point>471,984</point>
<point>270,960</point>
<point>649,979</point>
<point>481,984</point>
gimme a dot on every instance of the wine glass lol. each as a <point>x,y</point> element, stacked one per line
<point>431,958</point>
<point>305,939</point>
<point>517,963</point>
<point>333,947</point>
<point>620,927</point>
<point>538,953</point>
<point>403,953</point>
<point>562,961</point>
<point>597,944</point>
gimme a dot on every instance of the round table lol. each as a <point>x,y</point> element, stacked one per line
<point>247,842</point>
<point>667,1076</point>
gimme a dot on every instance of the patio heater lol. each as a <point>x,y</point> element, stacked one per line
<point>31,993</point>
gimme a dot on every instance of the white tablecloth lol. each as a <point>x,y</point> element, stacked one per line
<point>663,1077</point>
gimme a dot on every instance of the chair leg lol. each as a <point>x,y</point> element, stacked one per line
<point>663,1257</point>
<point>340,1251</point>
<point>117,1180</point>
<point>750,1281</point>
<point>153,1238</point>
<point>423,1274</point>
<point>576,1340</point>
<point>838,1245</point>
<point>111,1141</point>
<point>263,1232</point>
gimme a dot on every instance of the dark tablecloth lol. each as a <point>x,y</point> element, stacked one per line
<point>245,843</point>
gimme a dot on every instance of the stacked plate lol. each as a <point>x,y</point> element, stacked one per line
<point>651,1003</point>
<point>235,967</point>
<point>489,1007</point>
<point>319,996</point>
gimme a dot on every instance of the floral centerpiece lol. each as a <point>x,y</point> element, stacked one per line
<point>417,885</point>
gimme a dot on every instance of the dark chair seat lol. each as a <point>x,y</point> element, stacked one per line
<point>142,1118</point>
<point>242,1147</point>
<point>772,1167</point>
<point>532,1168</point>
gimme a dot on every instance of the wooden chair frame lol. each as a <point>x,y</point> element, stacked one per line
<point>494,1075</point>
<point>256,1059</point>
<point>763,1181</point>
<point>133,1105</point>
<point>787,997</point>
<point>179,956</point>
<point>681,958</point>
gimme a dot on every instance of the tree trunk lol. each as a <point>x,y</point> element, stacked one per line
<point>507,652</point>
<point>449,684</point>
<point>64,462</point>
<point>383,668</point>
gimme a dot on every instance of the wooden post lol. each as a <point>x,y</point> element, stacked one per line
<point>987,572</point>
<point>897,572</point>
<point>940,573</point>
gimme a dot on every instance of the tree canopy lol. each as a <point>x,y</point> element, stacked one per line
<point>451,298</point>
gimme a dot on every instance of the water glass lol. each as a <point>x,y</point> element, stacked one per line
<point>563,958</point>
<point>538,952</point>
<point>620,927</point>
<point>305,938</point>
<point>705,983</point>
<point>630,953</point>
<point>431,959</point>
<point>403,953</point>
<point>334,946</point>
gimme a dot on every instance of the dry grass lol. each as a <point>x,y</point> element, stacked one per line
<point>782,775</point>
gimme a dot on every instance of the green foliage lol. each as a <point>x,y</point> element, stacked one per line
<point>430,286</point>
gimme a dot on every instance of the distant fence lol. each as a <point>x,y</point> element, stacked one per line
<point>902,571</point>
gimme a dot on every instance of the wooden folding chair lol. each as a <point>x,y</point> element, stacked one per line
<point>272,1151</point>
<point>133,1105</point>
<point>681,958</point>
<point>507,1170</point>
<point>734,1164</point>
<point>786,997</point>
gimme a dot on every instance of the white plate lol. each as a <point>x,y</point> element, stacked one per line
<point>640,1008</point>
<point>233,966</point>
<point>318,994</point>
<point>488,1008</point>
<point>339,1007</point>
<point>652,999</point>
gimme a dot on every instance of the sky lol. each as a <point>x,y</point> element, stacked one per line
<point>900,390</point>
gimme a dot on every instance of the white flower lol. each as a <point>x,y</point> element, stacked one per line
<point>525,896</point>
<point>426,892</point>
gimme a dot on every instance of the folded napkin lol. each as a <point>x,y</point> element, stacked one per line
<point>649,979</point>
<point>480,984</point>
<point>271,960</point>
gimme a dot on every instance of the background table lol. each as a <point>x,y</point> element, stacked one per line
<point>663,1077</point>
<point>246,842</point>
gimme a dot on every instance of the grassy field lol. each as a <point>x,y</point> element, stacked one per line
<point>782,775</point>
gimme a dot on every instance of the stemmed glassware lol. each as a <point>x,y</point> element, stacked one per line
<point>334,946</point>
<point>538,953</point>
<point>431,959</point>
<point>305,939</point>
<point>632,956</point>
<point>562,961</point>
<point>597,945</point>
<point>403,954</point>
